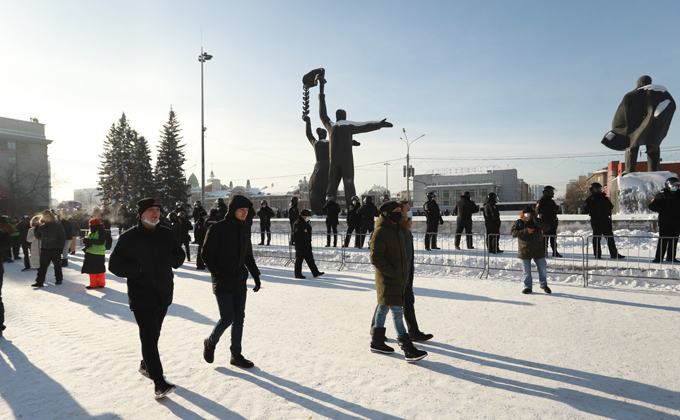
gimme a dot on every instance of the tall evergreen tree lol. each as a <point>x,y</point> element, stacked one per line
<point>169,173</point>
<point>115,187</point>
<point>142,178</point>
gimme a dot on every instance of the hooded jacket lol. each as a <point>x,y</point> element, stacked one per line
<point>228,252</point>
<point>146,258</point>
<point>530,245</point>
<point>388,255</point>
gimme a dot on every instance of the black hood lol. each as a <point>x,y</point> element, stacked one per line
<point>237,202</point>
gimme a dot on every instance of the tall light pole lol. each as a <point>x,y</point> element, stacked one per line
<point>408,162</point>
<point>387,181</point>
<point>203,58</point>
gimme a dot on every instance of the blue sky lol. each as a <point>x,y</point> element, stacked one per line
<point>481,79</point>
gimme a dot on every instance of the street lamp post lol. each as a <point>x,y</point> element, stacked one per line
<point>408,162</point>
<point>203,58</point>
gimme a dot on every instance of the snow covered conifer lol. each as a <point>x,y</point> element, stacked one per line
<point>142,178</point>
<point>169,173</point>
<point>115,186</point>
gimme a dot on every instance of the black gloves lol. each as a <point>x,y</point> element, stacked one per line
<point>257,285</point>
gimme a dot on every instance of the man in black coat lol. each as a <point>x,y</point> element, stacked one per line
<point>68,232</point>
<point>547,209</point>
<point>24,227</point>
<point>228,254</point>
<point>353,222</point>
<point>293,216</point>
<point>199,236</point>
<point>265,214</point>
<point>331,209</point>
<point>303,246</point>
<point>184,236</point>
<point>196,215</point>
<point>52,239</point>
<point>145,255</point>
<point>667,204</point>
<point>367,214</point>
<point>492,221</point>
<point>434,219</point>
<point>599,207</point>
<point>221,207</point>
<point>464,210</point>
<point>5,243</point>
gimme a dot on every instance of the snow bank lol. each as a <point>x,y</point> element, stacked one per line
<point>636,190</point>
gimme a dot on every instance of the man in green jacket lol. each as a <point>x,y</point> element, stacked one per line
<point>388,255</point>
<point>528,231</point>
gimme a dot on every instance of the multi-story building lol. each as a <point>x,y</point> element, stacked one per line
<point>24,166</point>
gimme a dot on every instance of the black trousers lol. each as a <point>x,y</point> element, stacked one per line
<point>16,246</point>
<point>25,247</point>
<point>431,236</point>
<point>150,322</point>
<point>667,246</point>
<point>550,237</point>
<point>464,225</point>
<point>334,227</point>
<point>48,256</point>
<point>199,259</point>
<point>268,230</point>
<point>307,256</point>
<point>365,232</point>
<point>357,232</point>
<point>492,237</point>
<point>409,311</point>
<point>603,227</point>
<point>186,246</point>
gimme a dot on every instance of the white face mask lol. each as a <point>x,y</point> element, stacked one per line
<point>148,222</point>
<point>409,214</point>
<point>528,215</point>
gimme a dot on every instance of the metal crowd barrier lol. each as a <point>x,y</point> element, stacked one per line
<point>570,247</point>
<point>447,255</point>
<point>640,257</point>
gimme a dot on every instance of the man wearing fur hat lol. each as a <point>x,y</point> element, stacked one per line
<point>528,230</point>
<point>228,254</point>
<point>146,255</point>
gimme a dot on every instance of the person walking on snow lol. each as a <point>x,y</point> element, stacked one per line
<point>528,230</point>
<point>94,262</point>
<point>388,255</point>
<point>228,254</point>
<point>302,230</point>
<point>52,238</point>
<point>146,255</point>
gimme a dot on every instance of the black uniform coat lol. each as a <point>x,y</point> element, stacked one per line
<point>146,258</point>
<point>265,214</point>
<point>353,219</point>
<point>368,212</point>
<point>432,213</point>
<point>464,210</point>
<point>598,207</point>
<point>667,204</point>
<point>302,232</point>
<point>228,252</point>
<point>548,209</point>
<point>492,218</point>
<point>293,215</point>
<point>331,209</point>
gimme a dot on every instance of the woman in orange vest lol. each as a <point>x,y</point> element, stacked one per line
<point>95,251</point>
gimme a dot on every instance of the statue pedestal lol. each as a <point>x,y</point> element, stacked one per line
<point>632,193</point>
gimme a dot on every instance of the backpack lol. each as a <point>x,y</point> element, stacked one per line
<point>109,240</point>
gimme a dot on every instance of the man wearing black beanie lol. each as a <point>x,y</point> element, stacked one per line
<point>146,255</point>
<point>228,254</point>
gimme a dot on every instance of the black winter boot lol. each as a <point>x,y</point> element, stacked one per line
<point>208,351</point>
<point>163,388</point>
<point>240,361</point>
<point>378,341</point>
<point>64,262</point>
<point>411,353</point>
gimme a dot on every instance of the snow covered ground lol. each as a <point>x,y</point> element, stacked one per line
<point>607,351</point>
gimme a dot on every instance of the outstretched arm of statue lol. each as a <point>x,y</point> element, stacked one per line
<point>355,143</point>
<point>308,130</point>
<point>366,127</point>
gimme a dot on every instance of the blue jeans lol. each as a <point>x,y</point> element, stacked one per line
<point>542,267</point>
<point>232,313</point>
<point>2,306</point>
<point>397,315</point>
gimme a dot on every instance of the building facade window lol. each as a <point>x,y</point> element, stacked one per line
<point>11,145</point>
<point>446,197</point>
<point>12,159</point>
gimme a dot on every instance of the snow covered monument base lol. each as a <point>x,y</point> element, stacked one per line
<point>631,193</point>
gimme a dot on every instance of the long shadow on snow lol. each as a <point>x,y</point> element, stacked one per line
<point>607,407</point>
<point>314,400</point>
<point>329,280</point>
<point>217,410</point>
<point>108,302</point>
<point>28,390</point>
<point>618,302</point>
<point>444,294</point>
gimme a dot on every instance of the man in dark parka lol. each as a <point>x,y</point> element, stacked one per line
<point>547,209</point>
<point>434,219</point>
<point>331,209</point>
<point>464,210</point>
<point>492,221</point>
<point>367,214</point>
<point>265,214</point>
<point>667,204</point>
<point>599,207</point>
<point>146,254</point>
<point>228,254</point>
<point>302,230</point>
<point>388,255</point>
<point>293,216</point>
<point>353,222</point>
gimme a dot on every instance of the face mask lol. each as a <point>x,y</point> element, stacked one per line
<point>674,188</point>
<point>409,214</point>
<point>148,222</point>
<point>528,215</point>
<point>394,217</point>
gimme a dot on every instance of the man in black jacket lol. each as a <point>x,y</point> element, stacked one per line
<point>464,210</point>
<point>303,245</point>
<point>52,239</point>
<point>199,236</point>
<point>434,219</point>
<point>221,207</point>
<point>68,237</point>
<point>145,255</point>
<point>492,221</point>
<point>353,222</point>
<point>331,209</point>
<point>228,254</point>
<point>265,214</point>
<point>667,204</point>
<point>293,216</point>
<point>367,214</point>
<point>184,237</point>
<point>547,209</point>
<point>600,208</point>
